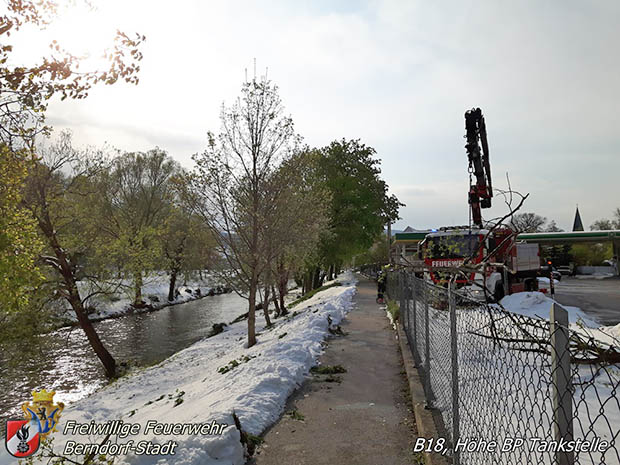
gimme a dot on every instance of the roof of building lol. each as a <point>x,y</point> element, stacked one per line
<point>574,236</point>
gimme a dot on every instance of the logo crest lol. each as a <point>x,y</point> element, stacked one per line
<point>22,438</point>
<point>41,417</point>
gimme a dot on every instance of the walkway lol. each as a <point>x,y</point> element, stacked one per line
<point>366,418</point>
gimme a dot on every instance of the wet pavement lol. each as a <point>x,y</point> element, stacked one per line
<point>598,298</point>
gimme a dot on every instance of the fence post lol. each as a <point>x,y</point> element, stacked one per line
<point>561,382</point>
<point>404,312</point>
<point>455,373</point>
<point>414,286</point>
<point>427,357</point>
<point>407,298</point>
<point>401,285</point>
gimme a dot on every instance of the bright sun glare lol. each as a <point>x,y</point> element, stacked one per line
<point>84,32</point>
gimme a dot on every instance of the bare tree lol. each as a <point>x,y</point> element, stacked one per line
<point>606,224</point>
<point>527,222</point>
<point>231,182</point>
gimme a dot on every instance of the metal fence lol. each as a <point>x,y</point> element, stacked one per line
<point>511,389</point>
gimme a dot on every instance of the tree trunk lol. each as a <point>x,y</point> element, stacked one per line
<point>72,295</point>
<point>173,283</point>
<point>316,278</point>
<point>137,285</point>
<point>266,306</point>
<point>106,358</point>
<point>282,291</point>
<point>252,310</point>
<point>307,282</point>
<point>275,302</point>
<point>283,309</point>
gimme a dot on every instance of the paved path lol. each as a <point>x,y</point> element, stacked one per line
<point>364,420</point>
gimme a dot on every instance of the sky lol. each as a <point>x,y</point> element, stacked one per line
<point>398,75</point>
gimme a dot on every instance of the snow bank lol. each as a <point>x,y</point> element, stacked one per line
<point>538,305</point>
<point>190,388</point>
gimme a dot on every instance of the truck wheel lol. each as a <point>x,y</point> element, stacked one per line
<point>499,291</point>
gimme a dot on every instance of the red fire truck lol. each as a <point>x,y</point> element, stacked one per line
<point>510,266</point>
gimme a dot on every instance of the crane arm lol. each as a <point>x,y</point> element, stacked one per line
<point>481,192</point>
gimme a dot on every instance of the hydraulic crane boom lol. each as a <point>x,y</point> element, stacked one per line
<point>481,192</point>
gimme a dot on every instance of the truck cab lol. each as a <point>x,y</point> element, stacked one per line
<point>511,267</point>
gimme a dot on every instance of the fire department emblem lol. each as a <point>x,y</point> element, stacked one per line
<point>41,417</point>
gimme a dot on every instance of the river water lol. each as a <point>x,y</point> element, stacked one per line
<point>68,365</point>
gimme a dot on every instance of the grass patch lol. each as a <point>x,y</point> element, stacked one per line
<point>234,364</point>
<point>296,415</point>
<point>310,294</point>
<point>156,400</point>
<point>394,309</point>
<point>178,398</point>
<point>328,369</point>
<point>225,369</point>
<point>253,442</point>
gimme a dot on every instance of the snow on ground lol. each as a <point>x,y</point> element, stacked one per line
<point>596,386</point>
<point>119,296</point>
<point>547,281</point>
<point>190,387</point>
<point>538,305</point>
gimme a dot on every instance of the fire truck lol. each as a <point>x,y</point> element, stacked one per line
<point>510,266</point>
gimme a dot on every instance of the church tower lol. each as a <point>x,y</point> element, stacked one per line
<point>577,224</point>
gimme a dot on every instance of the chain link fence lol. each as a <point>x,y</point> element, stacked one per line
<point>511,389</point>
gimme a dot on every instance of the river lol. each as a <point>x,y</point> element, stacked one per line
<point>68,365</point>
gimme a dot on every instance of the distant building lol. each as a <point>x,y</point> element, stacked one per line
<point>405,245</point>
<point>577,224</point>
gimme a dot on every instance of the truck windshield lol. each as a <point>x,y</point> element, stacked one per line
<point>452,246</point>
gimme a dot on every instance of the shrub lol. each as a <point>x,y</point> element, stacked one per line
<point>394,309</point>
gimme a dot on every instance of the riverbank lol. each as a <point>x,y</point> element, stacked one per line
<point>211,380</point>
<point>115,299</point>
<point>64,361</point>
